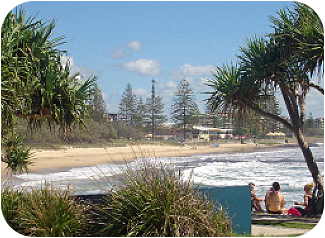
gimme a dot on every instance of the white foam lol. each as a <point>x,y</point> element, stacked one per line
<point>285,165</point>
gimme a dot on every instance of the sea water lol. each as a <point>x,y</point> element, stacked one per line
<point>285,165</point>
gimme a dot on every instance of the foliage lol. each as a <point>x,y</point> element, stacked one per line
<point>96,103</point>
<point>141,115</point>
<point>184,108</point>
<point>34,83</point>
<point>146,201</point>
<point>127,106</point>
<point>125,131</point>
<point>16,155</point>
<point>153,201</point>
<point>44,212</point>
<point>279,63</point>
<point>155,109</point>
<point>9,206</point>
<point>15,65</point>
<point>301,35</point>
<point>138,115</point>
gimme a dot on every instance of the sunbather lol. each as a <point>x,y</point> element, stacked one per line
<point>274,200</point>
<point>307,196</point>
<point>255,201</point>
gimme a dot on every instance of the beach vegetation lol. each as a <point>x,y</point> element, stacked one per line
<point>43,212</point>
<point>153,201</point>
<point>15,154</point>
<point>35,85</point>
<point>283,61</point>
<point>149,200</point>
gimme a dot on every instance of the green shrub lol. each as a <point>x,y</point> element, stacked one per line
<point>9,206</point>
<point>152,201</point>
<point>16,155</point>
<point>44,212</point>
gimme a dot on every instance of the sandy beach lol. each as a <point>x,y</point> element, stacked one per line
<point>81,157</point>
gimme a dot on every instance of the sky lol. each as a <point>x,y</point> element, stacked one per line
<point>135,42</point>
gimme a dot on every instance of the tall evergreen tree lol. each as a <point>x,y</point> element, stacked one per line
<point>141,115</point>
<point>127,106</point>
<point>97,103</point>
<point>184,108</point>
<point>155,109</point>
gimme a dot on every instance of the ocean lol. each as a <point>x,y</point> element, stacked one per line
<point>263,167</point>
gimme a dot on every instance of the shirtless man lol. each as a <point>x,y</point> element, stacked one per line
<point>256,201</point>
<point>274,200</point>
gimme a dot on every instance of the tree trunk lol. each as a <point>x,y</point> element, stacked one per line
<point>309,158</point>
<point>311,163</point>
<point>297,119</point>
<point>184,125</point>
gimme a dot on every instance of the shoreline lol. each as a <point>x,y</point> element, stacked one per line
<point>45,161</point>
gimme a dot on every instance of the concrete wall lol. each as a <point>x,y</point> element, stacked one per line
<point>237,202</point>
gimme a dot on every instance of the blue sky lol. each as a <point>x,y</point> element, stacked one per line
<point>134,42</point>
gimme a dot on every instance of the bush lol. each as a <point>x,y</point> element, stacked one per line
<point>44,212</point>
<point>16,155</point>
<point>9,207</point>
<point>146,201</point>
<point>152,201</point>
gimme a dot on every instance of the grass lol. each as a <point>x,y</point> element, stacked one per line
<point>148,200</point>
<point>153,201</point>
<point>112,143</point>
<point>286,224</point>
<point>43,212</point>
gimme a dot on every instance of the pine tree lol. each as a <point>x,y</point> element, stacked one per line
<point>127,106</point>
<point>141,115</point>
<point>155,109</point>
<point>184,108</point>
<point>97,104</point>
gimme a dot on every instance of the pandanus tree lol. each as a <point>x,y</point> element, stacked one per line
<point>284,63</point>
<point>34,83</point>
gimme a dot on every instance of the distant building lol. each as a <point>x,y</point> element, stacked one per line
<point>319,123</point>
<point>214,120</point>
<point>110,117</point>
<point>208,134</point>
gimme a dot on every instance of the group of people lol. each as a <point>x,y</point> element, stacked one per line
<point>274,200</point>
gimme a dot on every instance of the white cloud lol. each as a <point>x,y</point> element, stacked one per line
<point>144,67</point>
<point>122,52</point>
<point>140,92</point>
<point>167,90</point>
<point>118,53</point>
<point>191,71</point>
<point>135,45</point>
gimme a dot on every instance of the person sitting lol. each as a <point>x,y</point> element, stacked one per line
<point>255,201</point>
<point>274,200</point>
<point>307,197</point>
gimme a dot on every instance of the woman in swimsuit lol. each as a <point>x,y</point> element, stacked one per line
<point>274,200</point>
<point>308,195</point>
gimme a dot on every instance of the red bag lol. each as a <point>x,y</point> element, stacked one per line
<point>293,211</point>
